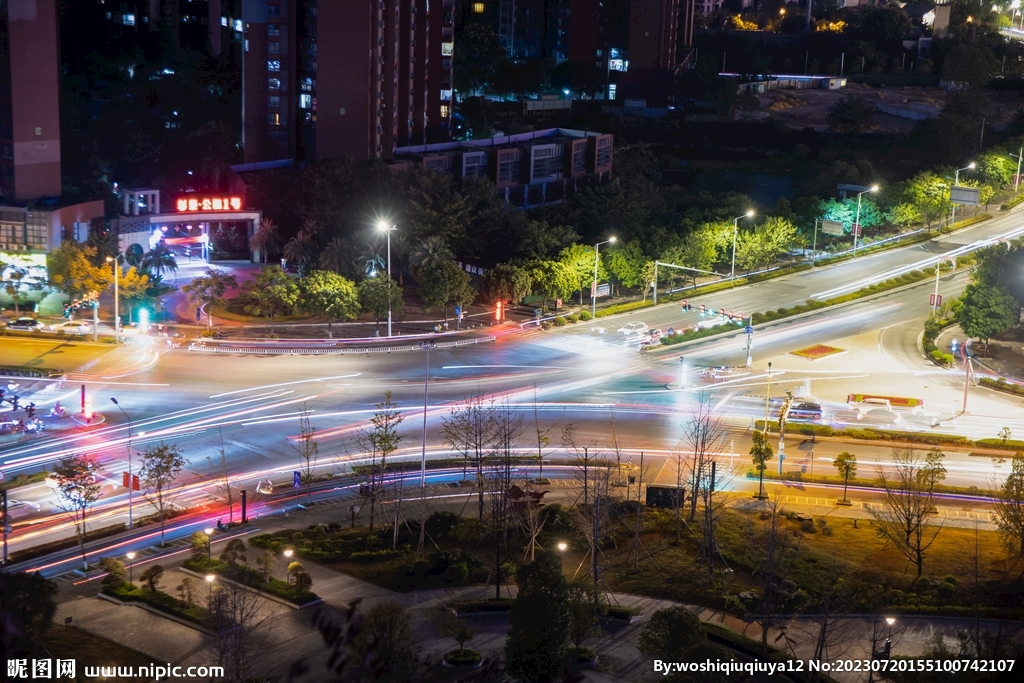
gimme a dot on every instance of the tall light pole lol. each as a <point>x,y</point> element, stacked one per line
<point>1016,179</point>
<point>209,542</point>
<point>426,346</point>
<point>131,558</point>
<point>856,221</point>
<point>735,232</point>
<point>131,480</point>
<point>956,182</point>
<point>593,291</point>
<point>386,227</point>
<point>117,328</point>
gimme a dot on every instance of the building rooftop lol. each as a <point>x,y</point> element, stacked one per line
<point>548,134</point>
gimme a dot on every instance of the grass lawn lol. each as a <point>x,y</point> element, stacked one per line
<point>817,351</point>
<point>68,642</point>
<point>50,353</point>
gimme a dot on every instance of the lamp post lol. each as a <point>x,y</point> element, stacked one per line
<point>956,182</point>
<point>209,582</point>
<point>562,546</point>
<point>856,221</point>
<point>131,480</point>
<point>888,639</point>
<point>735,232</point>
<point>130,556</point>
<point>287,556</point>
<point>386,227</point>
<point>1017,178</point>
<point>593,291</point>
<point>117,316</point>
<point>209,541</point>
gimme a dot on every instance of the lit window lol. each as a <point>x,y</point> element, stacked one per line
<point>444,111</point>
<point>305,101</point>
<point>478,7</point>
<point>274,83</point>
<point>274,102</point>
<point>223,21</point>
<point>274,119</point>
<point>273,65</point>
<point>273,30</point>
<point>238,25</point>
<point>129,20</point>
<point>307,84</point>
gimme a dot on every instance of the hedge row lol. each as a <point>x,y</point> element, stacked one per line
<point>871,434</point>
<point>1002,385</point>
<point>858,481</point>
<point>24,479</point>
<point>160,601</point>
<point>19,371</point>
<point>64,544</point>
<point>252,578</point>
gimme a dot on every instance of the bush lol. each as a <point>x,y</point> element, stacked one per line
<point>297,536</point>
<point>584,655</point>
<point>585,316</point>
<point>160,601</point>
<point>465,658</point>
<point>370,556</point>
<point>545,325</point>
<point>947,358</point>
<point>573,318</point>
<point>625,613</point>
<point>559,321</point>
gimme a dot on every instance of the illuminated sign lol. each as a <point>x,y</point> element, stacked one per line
<point>190,204</point>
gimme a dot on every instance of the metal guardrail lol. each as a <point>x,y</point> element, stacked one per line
<point>324,351</point>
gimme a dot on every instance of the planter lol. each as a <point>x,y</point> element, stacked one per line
<point>467,661</point>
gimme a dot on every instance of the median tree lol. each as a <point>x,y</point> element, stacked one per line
<point>208,290</point>
<point>161,465</point>
<point>760,453</point>
<point>271,293</point>
<point>375,293</point>
<point>308,449</point>
<point>378,442</point>
<point>846,464</point>
<point>78,488</point>
<point>985,311</point>
<point>446,285</point>
<point>1010,508</point>
<point>329,295</point>
<point>909,484</point>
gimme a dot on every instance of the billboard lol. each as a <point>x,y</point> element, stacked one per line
<point>665,496</point>
<point>967,196</point>
<point>832,227</point>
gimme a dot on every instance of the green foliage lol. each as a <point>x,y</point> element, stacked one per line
<point>845,212</point>
<point>151,577</point>
<point>625,262</point>
<point>538,632</point>
<point>329,295</point>
<point>672,634</point>
<point>985,311</point>
<point>585,611</point>
<point>160,601</point>
<point>209,289</point>
<point>507,283</point>
<point>769,240</point>
<point>271,293</point>
<point>446,285</point>
<point>375,292</point>
<point>585,316</point>
<point>552,279</point>
<point>850,114</point>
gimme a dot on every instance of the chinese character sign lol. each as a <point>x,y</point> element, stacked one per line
<point>190,204</point>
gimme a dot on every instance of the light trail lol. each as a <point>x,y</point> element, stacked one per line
<point>285,384</point>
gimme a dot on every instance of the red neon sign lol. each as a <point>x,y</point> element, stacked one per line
<point>190,204</point>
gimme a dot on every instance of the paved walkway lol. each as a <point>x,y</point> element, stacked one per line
<point>289,635</point>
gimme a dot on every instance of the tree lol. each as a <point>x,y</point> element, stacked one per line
<point>985,311</point>
<point>430,253</point>
<point>928,193</point>
<point>845,212</point>
<point>384,649</point>
<point>378,443</point>
<point>209,290</point>
<point>13,279</point>
<point>626,263</point>
<point>308,449</point>
<point>909,484</point>
<point>335,257</point>
<point>266,239</point>
<point>771,553</point>
<point>187,589</point>
<point>28,603</point>
<point>446,285</point>
<point>846,464</point>
<point>671,635</point>
<point>330,296</point>
<point>159,260</point>
<point>233,553</point>
<point>468,430</point>
<point>551,279</point>
<point>225,482</point>
<point>585,611</point>
<point>850,114</point>
<point>78,488</point>
<point>374,294</point>
<point>578,261</point>
<point>905,215</point>
<point>71,271</point>
<point>271,293</point>
<point>968,67</point>
<point>133,287</point>
<point>1010,508</point>
<point>267,562</point>
<point>116,576</point>
<point>760,453</point>
<point>301,248</point>
<point>506,283</point>
<point>450,625</point>
<point>161,465</point>
<point>151,577</point>
<point>538,633</point>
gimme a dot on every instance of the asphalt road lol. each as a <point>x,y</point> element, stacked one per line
<point>248,407</point>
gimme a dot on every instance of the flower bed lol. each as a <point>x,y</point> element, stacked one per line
<point>252,578</point>
<point>817,351</point>
<point>896,401</point>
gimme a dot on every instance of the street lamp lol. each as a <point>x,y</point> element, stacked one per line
<point>563,546</point>
<point>856,221</point>
<point>117,317</point>
<point>209,541</point>
<point>735,232</point>
<point>387,227</point>
<point>1016,179</point>
<point>593,292</point>
<point>888,640</point>
<point>956,182</point>
<point>287,556</point>
<point>209,581</point>
<point>130,556</point>
<point>131,480</point>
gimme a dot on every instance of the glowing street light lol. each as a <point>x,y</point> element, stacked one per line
<point>130,556</point>
<point>593,292</point>
<point>856,221</point>
<point>735,231</point>
<point>563,546</point>
<point>384,226</point>
<point>956,181</point>
<point>209,540</point>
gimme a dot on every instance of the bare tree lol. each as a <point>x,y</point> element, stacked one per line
<point>582,462</point>
<point>972,587</point>
<point>161,465</point>
<point>543,440</point>
<point>642,472</point>
<point>833,599</point>
<point>379,442</point>
<point>909,485</point>
<point>467,429</point>
<point>615,444</point>
<point>701,433</point>
<point>77,490</point>
<point>308,449</point>
<point>225,483</point>
<point>1010,508</point>
<point>241,619</point>
<point>507,432</point>
<point>771,552</point>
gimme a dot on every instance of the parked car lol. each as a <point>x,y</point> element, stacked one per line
<point>25,324</point>
<point>633,329</point>
<point>806,411</point>
<point>73,327</point>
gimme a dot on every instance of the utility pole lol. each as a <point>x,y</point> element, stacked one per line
<point>750,340</point>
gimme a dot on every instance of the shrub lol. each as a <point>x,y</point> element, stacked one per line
<point>369,556</point>
<point>297,536</point>
<point>585,316</point>
<point>947,358</point>
<point>626,613</point>
<point>465,658</point>
<point>559,321</point>
<point>545,325</point>
<point>573,318</point>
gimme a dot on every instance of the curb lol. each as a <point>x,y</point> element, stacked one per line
<point>153,610</point>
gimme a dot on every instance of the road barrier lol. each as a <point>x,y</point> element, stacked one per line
<point>206,347</point>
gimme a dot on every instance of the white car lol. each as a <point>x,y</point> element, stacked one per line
<point>633,329</point>
<point>73,327</point>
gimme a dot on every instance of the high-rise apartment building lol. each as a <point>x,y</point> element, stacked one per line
<point>192,24</point>
<point>269,79</point>
<point>29,100</point>
<point>653,28</point>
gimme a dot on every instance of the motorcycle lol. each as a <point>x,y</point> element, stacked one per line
<point>32,426</point>
<point>58,411</point>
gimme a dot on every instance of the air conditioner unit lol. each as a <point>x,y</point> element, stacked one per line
<point>3,246</point>
<point>19,247</point>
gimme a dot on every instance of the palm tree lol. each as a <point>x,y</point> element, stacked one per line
<point>266,239</point>
<point>159,260</point>
<point>428,254</point>
<point>299,248</point>
<point>372,261</point>
<point>335,257</point>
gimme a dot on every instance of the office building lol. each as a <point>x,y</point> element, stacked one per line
<point>29,101</point>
